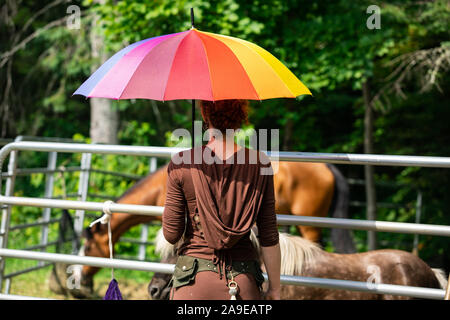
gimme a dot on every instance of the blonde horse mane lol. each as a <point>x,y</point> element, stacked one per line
<point>163,247</point>
<point>296,252</point>
<point>441,277</point>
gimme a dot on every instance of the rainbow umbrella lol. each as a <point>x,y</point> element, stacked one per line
<point>193,65</point>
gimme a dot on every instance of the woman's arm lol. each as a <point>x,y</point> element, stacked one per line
<point>173,219</point>
<point>269,240</point>
<point>272,261</point>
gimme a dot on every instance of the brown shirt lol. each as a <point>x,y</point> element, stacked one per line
<point>232,188</point>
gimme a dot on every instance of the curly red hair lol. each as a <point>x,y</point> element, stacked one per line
<point>225,114</point>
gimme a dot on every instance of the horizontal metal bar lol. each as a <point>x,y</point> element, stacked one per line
<point>34,224</point>
<point>28,171</point>
<point>136,241</point>
<point>417,292</point>
<point>168,152</point>
<point>82,205</point>
<point>380,288</point>
<point>40,246</point>
<point>380,226</point>
<point>118,174</point>
<point>86,260</point>
<point>18,297</point>
<point>18,273</point>
<point>363,159</point>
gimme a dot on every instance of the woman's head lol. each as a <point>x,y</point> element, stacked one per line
<point>224,114</point>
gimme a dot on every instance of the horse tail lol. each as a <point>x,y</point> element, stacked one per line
<point>342,239</point>
<point>441,277</point>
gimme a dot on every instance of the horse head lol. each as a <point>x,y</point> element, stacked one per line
<point>158,288</point>
<point>83,276</point>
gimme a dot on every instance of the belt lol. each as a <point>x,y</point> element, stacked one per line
<point>187,267</point>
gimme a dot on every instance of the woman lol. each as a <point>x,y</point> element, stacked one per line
<point>211,207</point>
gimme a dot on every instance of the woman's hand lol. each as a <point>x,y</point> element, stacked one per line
<point>272,294</point>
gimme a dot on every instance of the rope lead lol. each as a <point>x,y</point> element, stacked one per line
<point>106,219</point>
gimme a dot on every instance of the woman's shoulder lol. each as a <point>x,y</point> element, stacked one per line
<point>182,158</point>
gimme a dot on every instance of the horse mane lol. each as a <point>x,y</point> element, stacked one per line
<point>296,252</point>
<point>164,248</point>
<point>441,277</point>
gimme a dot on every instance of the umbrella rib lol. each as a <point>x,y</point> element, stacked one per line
<point>209,69</point>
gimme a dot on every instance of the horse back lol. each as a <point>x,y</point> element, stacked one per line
<point>400,267</point>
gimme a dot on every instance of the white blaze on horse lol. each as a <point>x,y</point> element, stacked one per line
<point>301,257</point>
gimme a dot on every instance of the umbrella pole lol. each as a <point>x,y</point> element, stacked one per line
<point>193,101</point>
<point>193,119</point>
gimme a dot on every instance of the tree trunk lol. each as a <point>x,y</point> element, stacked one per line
<point>104,118</point>
<point>371,202</point>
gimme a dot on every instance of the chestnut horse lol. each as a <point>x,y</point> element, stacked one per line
<point>301,188</point>
<point>305,258</point>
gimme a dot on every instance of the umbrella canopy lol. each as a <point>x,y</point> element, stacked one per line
<point>193,65</point>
